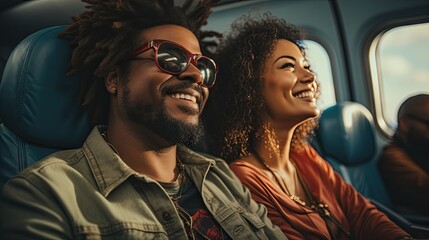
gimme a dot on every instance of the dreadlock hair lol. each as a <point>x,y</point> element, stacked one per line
<point>234,116</point>
<point>104,35</point>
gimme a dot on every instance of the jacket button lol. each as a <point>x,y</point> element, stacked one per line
<point>166,216</point>
<point>238,229</point>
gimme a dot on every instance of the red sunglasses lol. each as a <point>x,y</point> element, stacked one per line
<point>173,58</point>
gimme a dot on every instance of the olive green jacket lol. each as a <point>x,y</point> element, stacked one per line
<point>90,193</point>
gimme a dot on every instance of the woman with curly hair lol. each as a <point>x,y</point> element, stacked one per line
<point>258,118</point>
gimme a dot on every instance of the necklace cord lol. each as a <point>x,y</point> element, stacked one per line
<point>175,197</point>
<point>318,207</point>
<point>186,218</point>
<point>285,189</point>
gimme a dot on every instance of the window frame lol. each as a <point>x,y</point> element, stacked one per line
<point>374,71</point>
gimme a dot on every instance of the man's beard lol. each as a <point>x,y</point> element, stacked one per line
<point>159,121</point>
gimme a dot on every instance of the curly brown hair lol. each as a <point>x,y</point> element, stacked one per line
<point>233,116</point>
<point>103,37</point>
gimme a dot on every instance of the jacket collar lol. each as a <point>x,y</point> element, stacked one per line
<point>108,169</point>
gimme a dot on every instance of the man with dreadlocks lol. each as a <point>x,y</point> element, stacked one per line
<point>144,83</point>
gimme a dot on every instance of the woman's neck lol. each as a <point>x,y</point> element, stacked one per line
<point>276,157</point>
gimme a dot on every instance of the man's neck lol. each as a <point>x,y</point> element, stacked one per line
<point>144,151</point>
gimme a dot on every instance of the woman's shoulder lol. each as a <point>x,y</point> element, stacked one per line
<point>245,169</point>
<point>242,165</point>
<point>308,157</point>
<point>307,152</point>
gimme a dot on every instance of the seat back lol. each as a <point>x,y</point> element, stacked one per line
<point>347,139</point>
<point>38,103</point>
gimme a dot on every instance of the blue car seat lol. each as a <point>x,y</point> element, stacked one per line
<point>346,139</point>
<point>38,103</point>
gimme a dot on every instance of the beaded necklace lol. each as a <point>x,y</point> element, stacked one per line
<point>317,206</point>
<point>294,197</point>
<point>175,191</point>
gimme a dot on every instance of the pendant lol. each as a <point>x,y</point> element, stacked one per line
<point>297,199</point>
<point>321,208</point>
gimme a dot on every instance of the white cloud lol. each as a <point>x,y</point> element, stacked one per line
<point>394,66</point>
<point>420,76</point>
<point>406,36</point>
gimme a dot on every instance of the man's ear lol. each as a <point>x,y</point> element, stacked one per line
<point>111,83</point>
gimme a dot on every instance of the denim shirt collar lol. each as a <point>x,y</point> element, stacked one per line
<point>110,171</point>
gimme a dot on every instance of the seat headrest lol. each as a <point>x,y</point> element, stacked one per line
<point>346,133</point>
<point>37,100</point>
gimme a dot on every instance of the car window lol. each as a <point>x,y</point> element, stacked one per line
<point>320,64</point>
<point>400,68</point>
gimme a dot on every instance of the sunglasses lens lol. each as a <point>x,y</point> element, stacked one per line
<point>172,58</point>
<point>208,70</point>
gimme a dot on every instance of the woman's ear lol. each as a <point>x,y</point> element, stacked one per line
<point>111,83</point>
